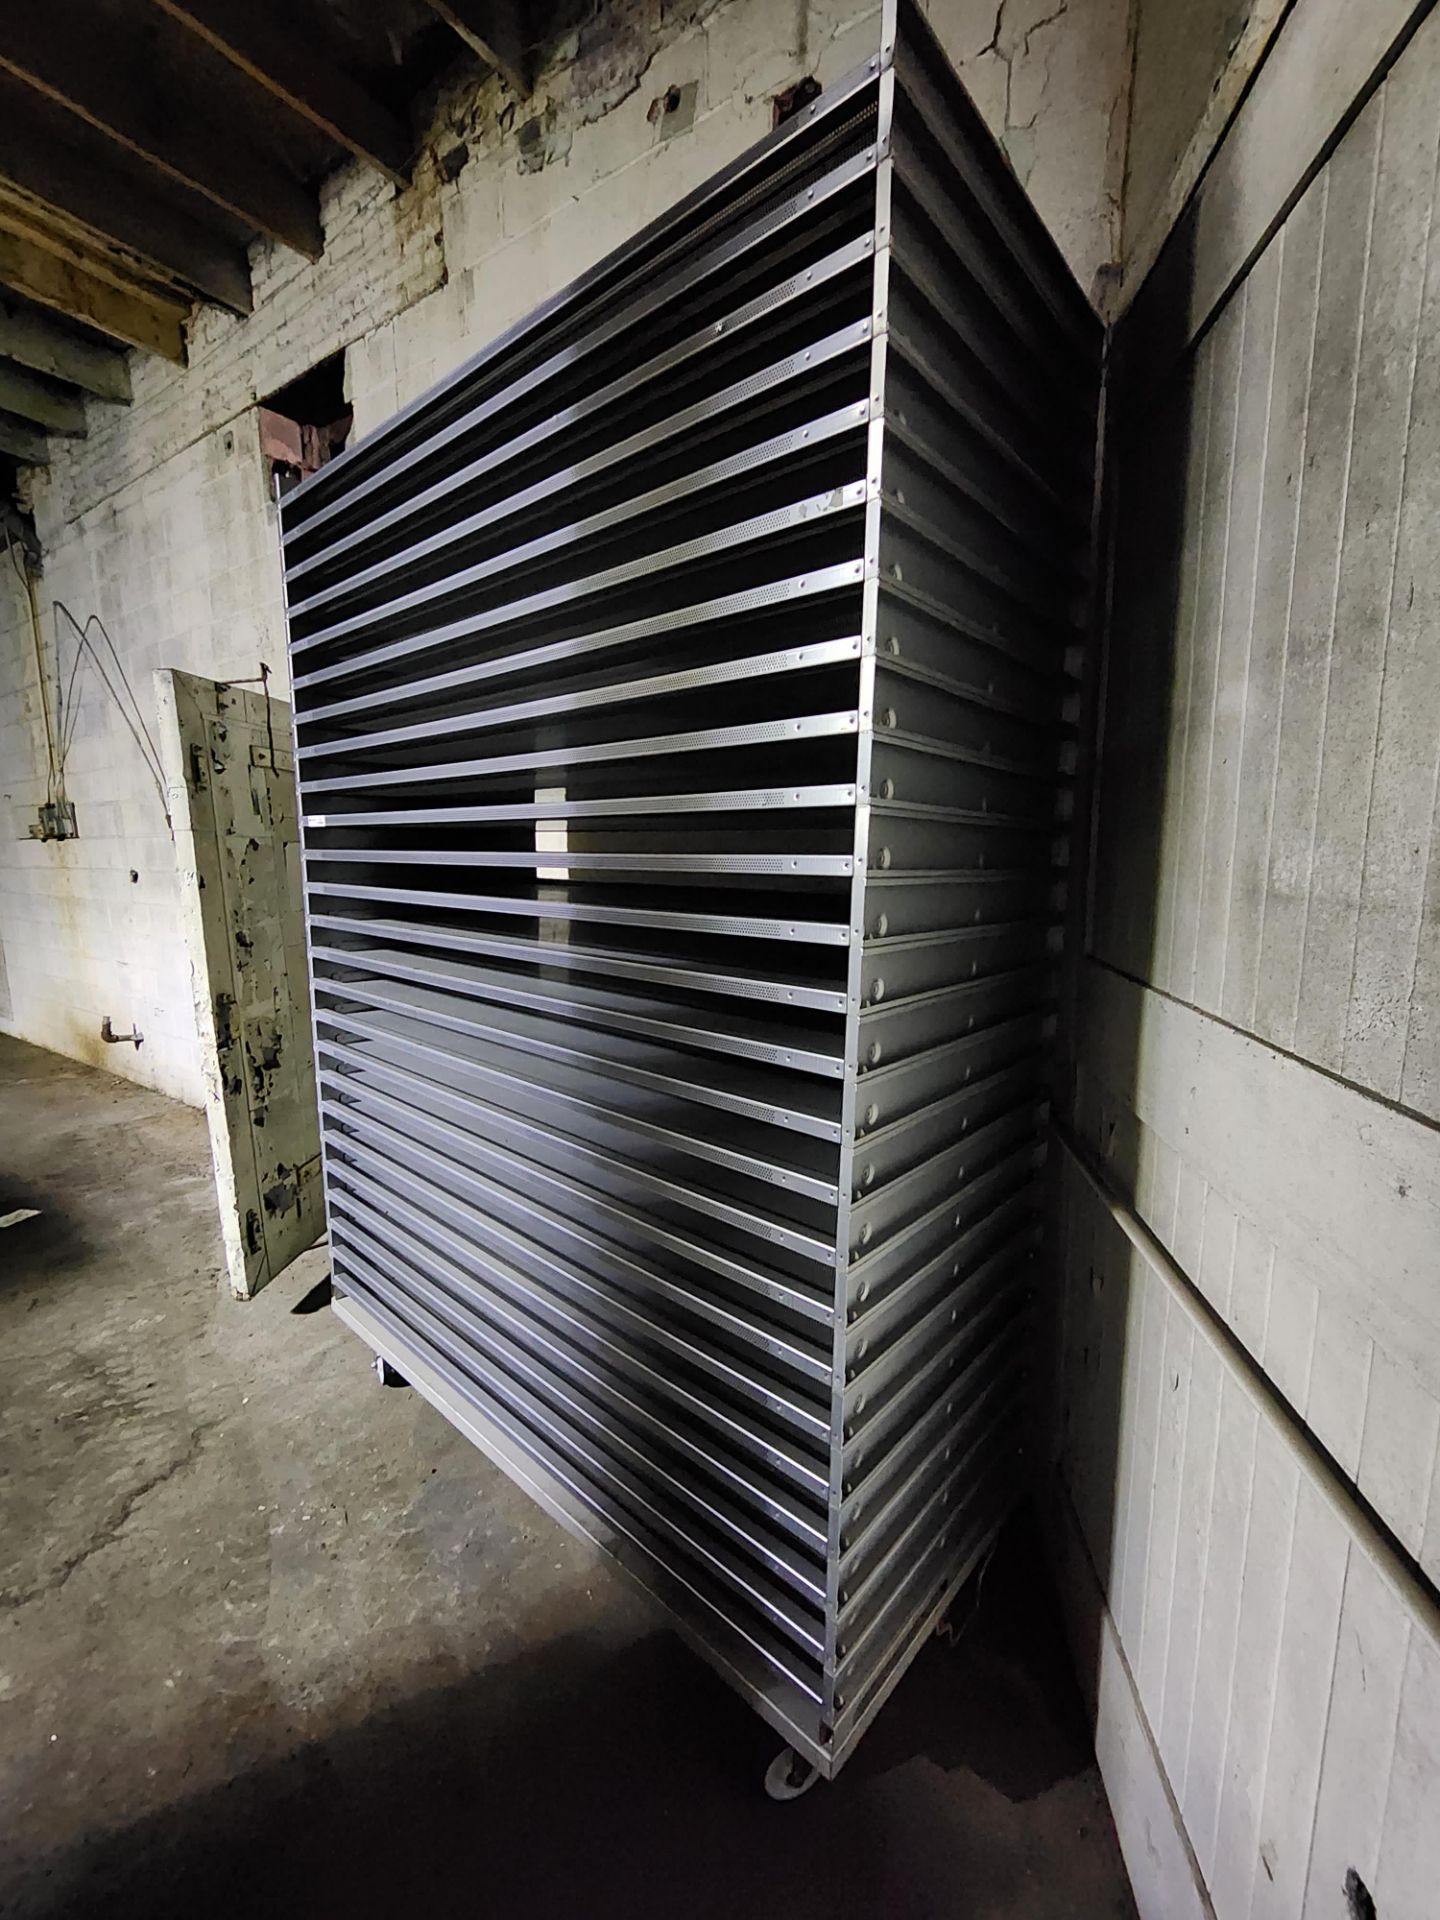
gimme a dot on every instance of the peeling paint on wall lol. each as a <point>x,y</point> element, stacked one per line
<point>163,523</point>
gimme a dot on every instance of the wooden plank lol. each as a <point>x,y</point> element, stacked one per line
<point>1194,771</point>
<point>1236,628</point>
<point>1098,1310</point>
<point>20,440</point>
<point>1132,1466</point>
<point>1117,1302</point>
<point>1210,1260</point>
<point>1430,1545</point>
<point>119,81</point>
<point>48,154</point>
<point>1167,879</point>
<point>1172,1714</point>
<point>1274,1494</point>
<point>1299,249</point>
<point>1410,1839</point>
<point>1157,1174</point>
<point>1219,1622</point>
<point>1394,282</point>
<point>1149,1658</point>
<point>1140,1416</point>
<point>1194,1219</point>
<point>495,30</point>
<point>1420,1074</point>
<point>1391,989</point>
<point>1094,1381</point>
<point>1397,1449</point>
<point>1290,1329</point>
<point>31,339</point>
<point>1372,1649</point>
<point>261,39</point>
<point>44,403</point>
<point>1299,1705</point>
<point>43,269</point>
<point>1349,188</point>
<point>1248,1309</point>
<point>1159,1863</point>
<point>1338,1389</point>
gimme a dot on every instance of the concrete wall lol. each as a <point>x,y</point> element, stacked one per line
<point>1193,60</point>
<point>1249,1315</point>
<point>160,523</point>
<point>1181,49</point>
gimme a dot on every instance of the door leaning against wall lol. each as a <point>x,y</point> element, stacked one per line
<point>231,779</point>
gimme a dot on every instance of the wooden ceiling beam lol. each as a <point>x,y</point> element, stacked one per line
<point>113,78</point>
<point>44,403</point>
<point>256,37</point>
<point>32,339</point>
<point>496,30</point>
<point>22,443</point>
<point>48,154</point>
<point>55,274</point>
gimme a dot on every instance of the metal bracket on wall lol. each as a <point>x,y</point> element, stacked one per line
<point>113,1039</point>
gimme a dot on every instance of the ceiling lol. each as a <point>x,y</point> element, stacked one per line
<point>144,144</point>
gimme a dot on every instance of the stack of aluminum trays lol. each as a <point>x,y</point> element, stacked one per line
<point>682,703</point>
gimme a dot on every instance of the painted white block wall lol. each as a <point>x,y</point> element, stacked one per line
<point>1248,1460</point>
<point>160,523</point>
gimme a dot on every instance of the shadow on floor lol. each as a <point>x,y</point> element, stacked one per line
<point>587,1780</point>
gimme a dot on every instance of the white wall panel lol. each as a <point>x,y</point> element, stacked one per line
<point>1252,1299</point>
<point>1288,747</point>
<point>1293,1704</point>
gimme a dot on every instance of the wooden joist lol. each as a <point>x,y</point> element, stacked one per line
<point>145,145</point>
<point>497,31</point>
<point>48,154</point>
<point>22,443</point>
<point>44,403</point>
<point>31,339</point>
<point>111,76</point>
<point>56,274</point>
<point>259,38</point>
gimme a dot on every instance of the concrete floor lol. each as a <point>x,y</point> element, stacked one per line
<point>274,1640</point>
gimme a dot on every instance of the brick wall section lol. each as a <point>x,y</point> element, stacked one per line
<point>160,520</point>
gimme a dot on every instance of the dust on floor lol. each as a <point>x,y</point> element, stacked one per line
<point>273,1639</point>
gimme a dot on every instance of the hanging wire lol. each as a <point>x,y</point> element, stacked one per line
<point>67,707</point>
<point>139,731</point>
<point>55,779</point>
<point>262,680</point>
<point>953,1632</point>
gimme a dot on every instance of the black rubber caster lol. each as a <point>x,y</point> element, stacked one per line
<point>788,1776</point>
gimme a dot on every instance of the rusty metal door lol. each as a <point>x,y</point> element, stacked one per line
<point>231,780</point>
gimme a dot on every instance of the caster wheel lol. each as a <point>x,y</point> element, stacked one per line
<point>788,1776</point>
<point>386,1374</point>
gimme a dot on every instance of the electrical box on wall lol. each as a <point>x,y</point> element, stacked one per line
<point>56,821</point>
<point>681,699</point>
